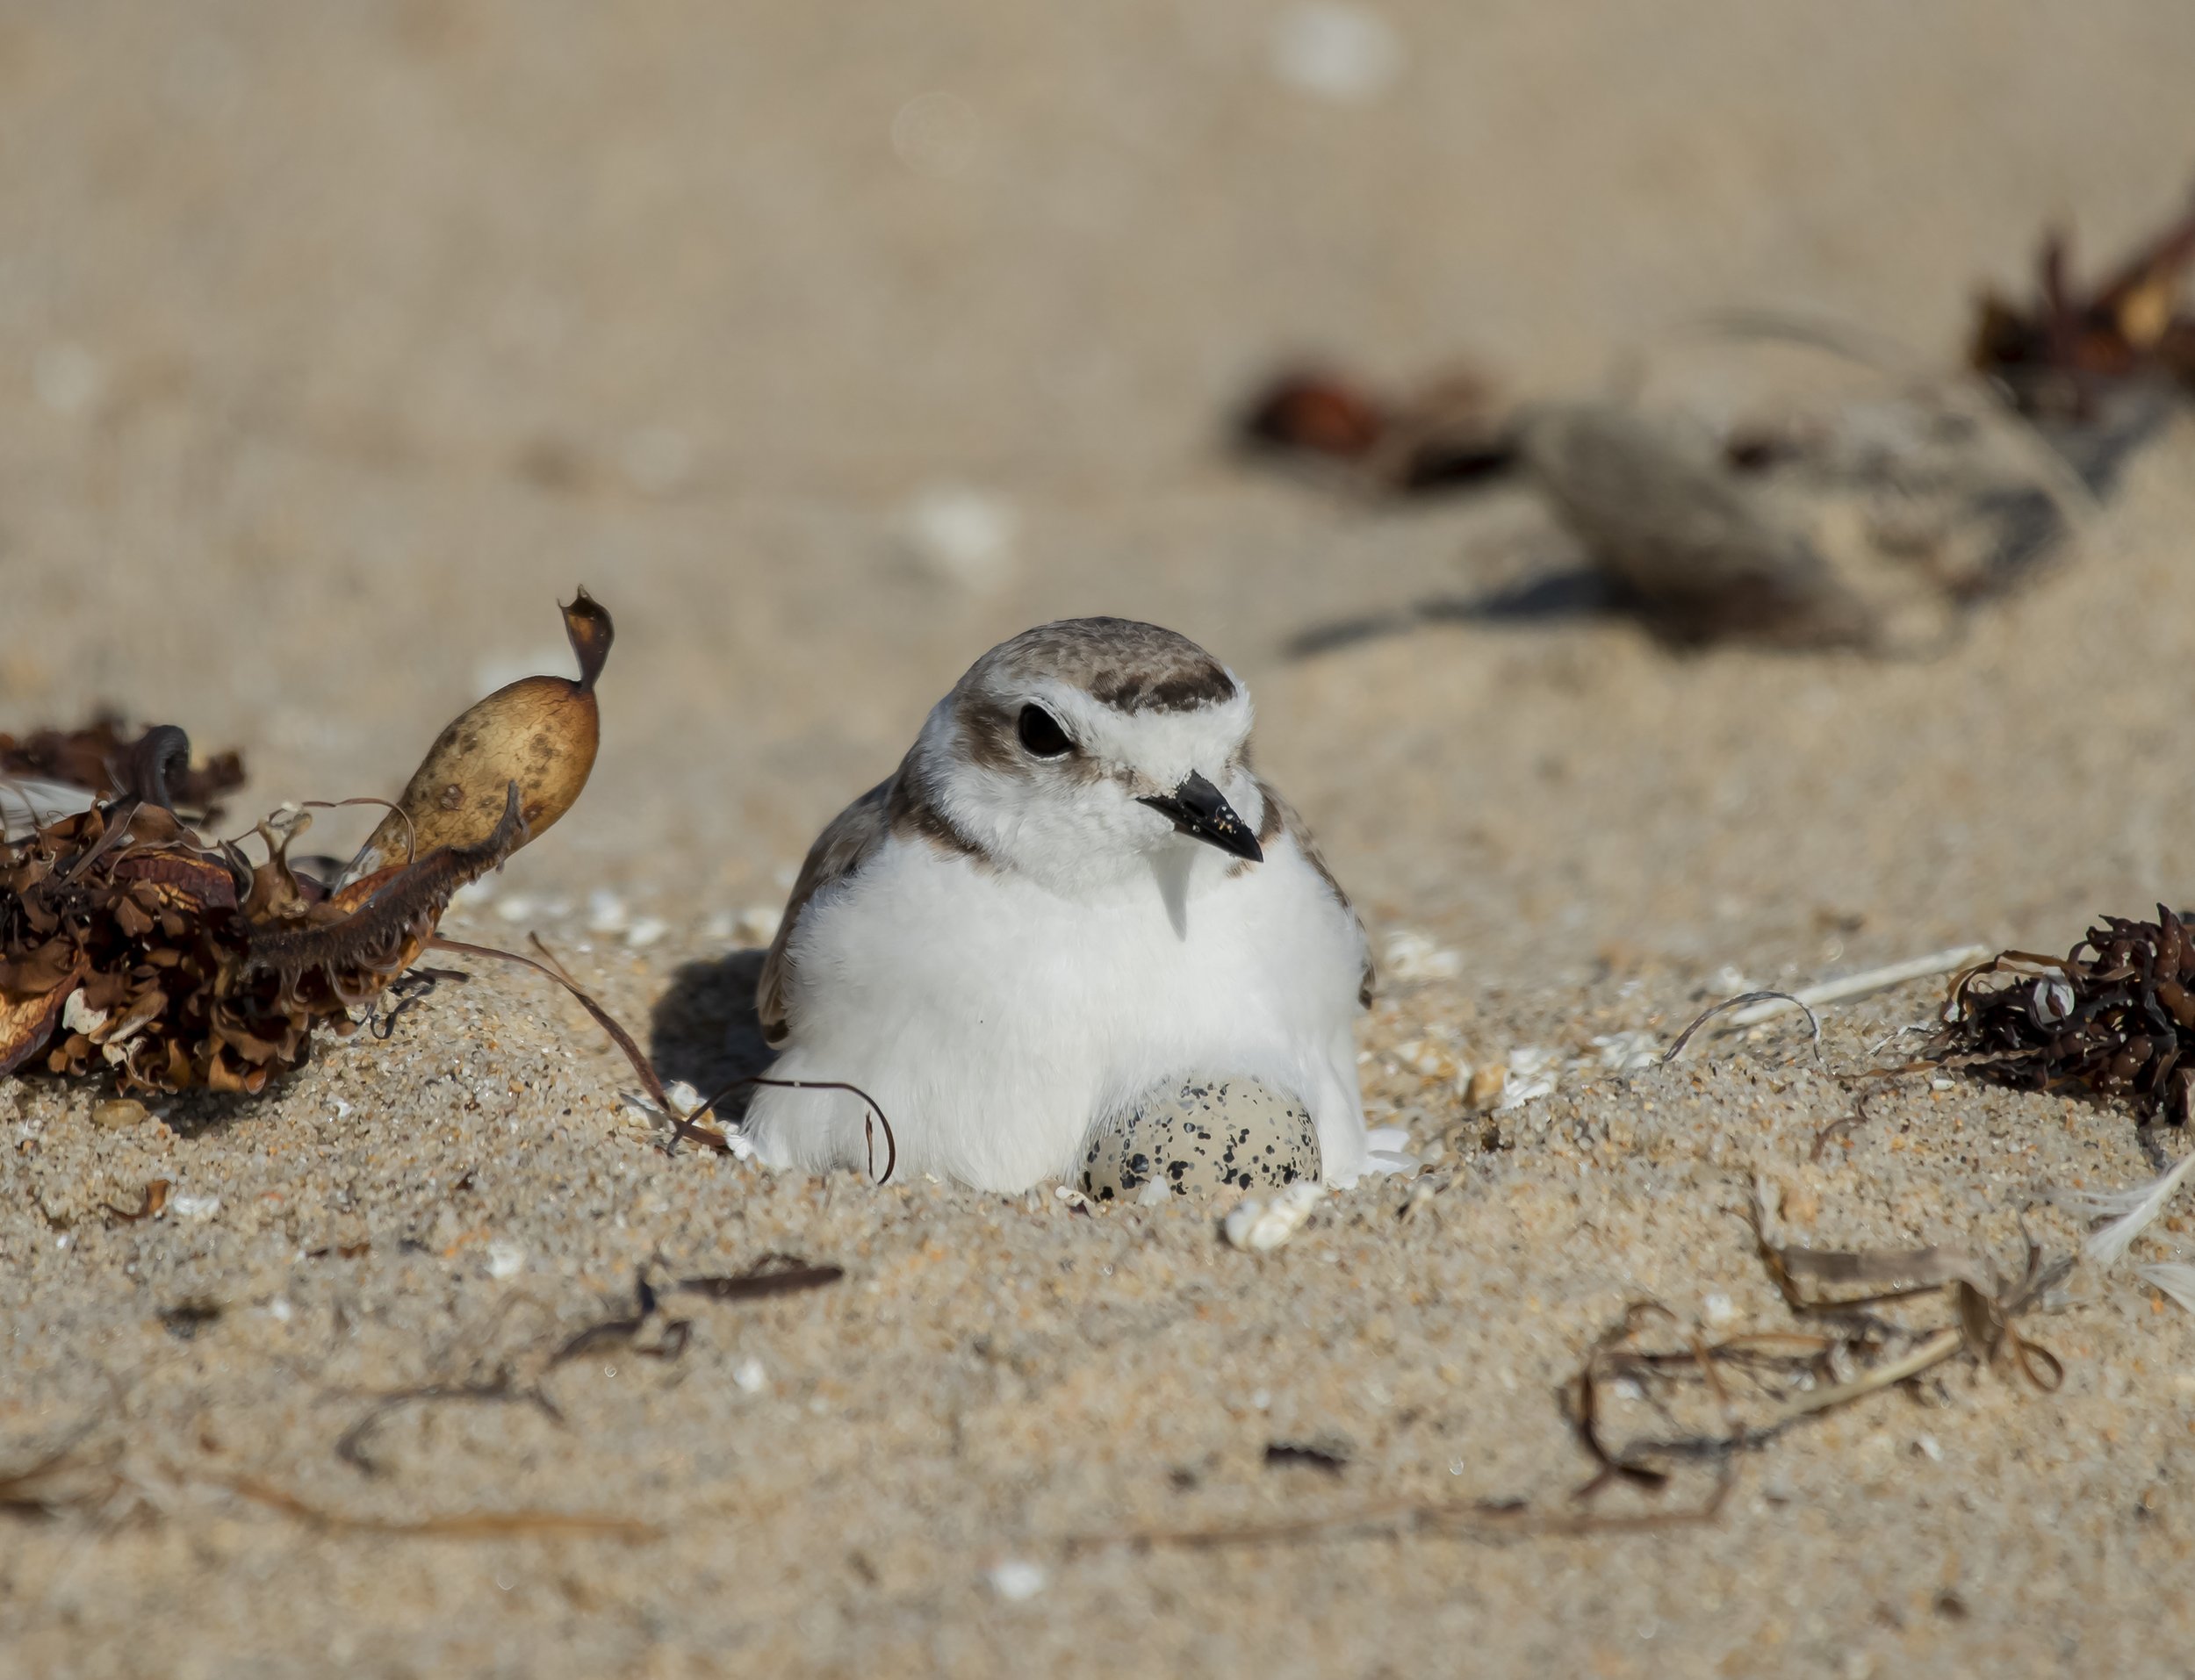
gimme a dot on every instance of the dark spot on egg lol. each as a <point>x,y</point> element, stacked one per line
<point>1202,1137</point>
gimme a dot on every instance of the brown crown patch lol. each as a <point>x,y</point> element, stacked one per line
<point>1181,691</point>
<point>1120,663</point>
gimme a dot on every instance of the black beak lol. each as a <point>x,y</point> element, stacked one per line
<point>1197,809</point>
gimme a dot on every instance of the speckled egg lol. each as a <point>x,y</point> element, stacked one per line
<point>1200,1136</point>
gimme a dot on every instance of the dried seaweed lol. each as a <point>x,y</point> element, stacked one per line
<point>186,1319</point>
<point>874,1120</point>
<point>645,1330</point>
<point>608,1022</point>
<point>68,1476</point>
<point>351,1446</point>
<point>129,942</point>
<point>1740,1001</point>
<point>772,1274</point>
<point>473,1525</point>
<point>1763,1383</point>
<point>1492,1521</point>
<point>1840,1128</point>
<point>75,1476</point>
<point>626,1330</point>
<point>1713,1402</point>
<point>2112,1018</point>
<point>1316,1455</point>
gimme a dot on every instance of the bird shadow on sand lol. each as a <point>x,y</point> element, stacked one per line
<point>1554,598</point>
<point>704,1029</point>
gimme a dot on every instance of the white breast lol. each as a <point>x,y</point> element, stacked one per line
<point>994,1021</point>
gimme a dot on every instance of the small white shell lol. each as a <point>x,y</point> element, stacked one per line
<point>1198,1136</point>
<point>1259,1225</point>
<point>2050,1001</point>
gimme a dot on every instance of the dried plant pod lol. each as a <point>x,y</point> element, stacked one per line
<point>539,733</point>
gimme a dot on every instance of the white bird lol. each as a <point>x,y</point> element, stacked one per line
<point>1073,889</point>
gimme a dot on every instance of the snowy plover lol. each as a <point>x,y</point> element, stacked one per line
<point>1073,888</point>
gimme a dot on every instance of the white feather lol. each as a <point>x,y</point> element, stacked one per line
<point>27,805</point>
<point>2176,1278</point>
<point>2135,1209</point>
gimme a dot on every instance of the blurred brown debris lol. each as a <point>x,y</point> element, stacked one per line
<point>90,757</point>
<point>1453,432</point>
<point>1697,552</point>
<point>2062,356</point>
<point>1868,519</point>
<point>1856,520</point>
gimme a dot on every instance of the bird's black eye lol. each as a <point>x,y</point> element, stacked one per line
<point>1042,734</point>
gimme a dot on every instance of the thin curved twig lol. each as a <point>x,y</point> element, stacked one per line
<point>687,1126</point>
<point>1813,1021</point>
<point>875,1117</point>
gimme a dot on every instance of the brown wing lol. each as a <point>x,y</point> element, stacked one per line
<point>850,841</point>
<point>1280,815</point>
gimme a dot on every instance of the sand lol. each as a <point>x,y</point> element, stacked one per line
<point>336,342</point>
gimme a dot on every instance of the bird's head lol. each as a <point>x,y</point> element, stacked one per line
<point>1079,750</point>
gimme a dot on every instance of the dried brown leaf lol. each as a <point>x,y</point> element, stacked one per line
<point>27,1023</point>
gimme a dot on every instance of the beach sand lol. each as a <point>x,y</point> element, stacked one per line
<point>828,346</point>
